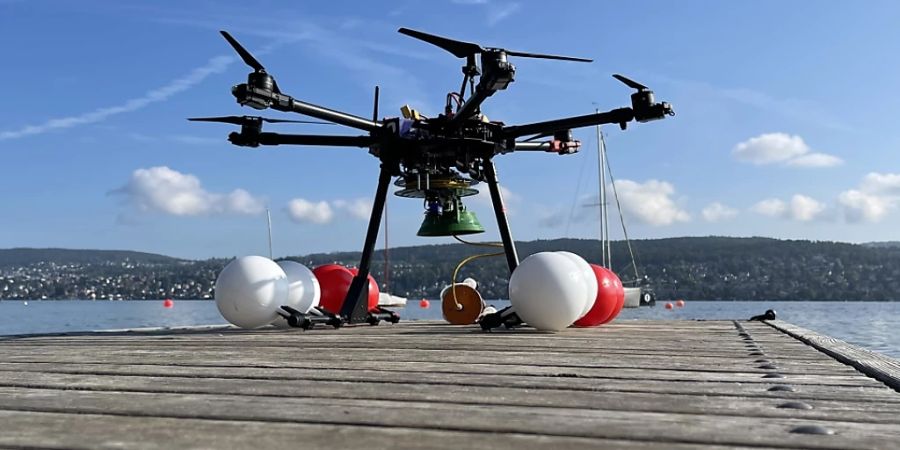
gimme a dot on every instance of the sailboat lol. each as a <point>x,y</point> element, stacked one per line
<point>638,291</point>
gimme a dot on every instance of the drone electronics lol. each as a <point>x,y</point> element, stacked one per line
<point>436,159</point>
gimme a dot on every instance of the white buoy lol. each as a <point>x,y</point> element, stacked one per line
<point>589,277</point>
<point>304,291</point>
<point>249,291</point>
<point>548,291</point>
<point>471,283</point>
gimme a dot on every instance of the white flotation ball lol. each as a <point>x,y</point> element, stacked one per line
<point>249,291</point>
<point>303,290</point>
<point>471,283</point>
<point>548,291</point>
<point>589,277</point>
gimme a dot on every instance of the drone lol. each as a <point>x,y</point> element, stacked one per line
<point>436,159</point>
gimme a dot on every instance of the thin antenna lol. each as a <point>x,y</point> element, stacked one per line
<point>375,108</point>
<point>269,221</point>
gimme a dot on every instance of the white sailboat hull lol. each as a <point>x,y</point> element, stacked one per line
<point>385,299</point>
<point>632,297</point>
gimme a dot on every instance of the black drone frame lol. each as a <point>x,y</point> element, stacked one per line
<point>460,140</point>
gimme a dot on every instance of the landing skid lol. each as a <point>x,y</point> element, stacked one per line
<point>319,316</point>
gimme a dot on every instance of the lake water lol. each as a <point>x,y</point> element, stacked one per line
<point>873,325</point>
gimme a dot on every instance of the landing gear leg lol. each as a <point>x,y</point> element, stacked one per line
<point>356,304</point>
<point>506,317</point>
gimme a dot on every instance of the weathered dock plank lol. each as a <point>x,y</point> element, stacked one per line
<point>875,365</point>
<point>634,384</point>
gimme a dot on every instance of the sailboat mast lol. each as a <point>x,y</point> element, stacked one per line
<point>605,164</point>
<point>269,222</point>
<point>602,195</point>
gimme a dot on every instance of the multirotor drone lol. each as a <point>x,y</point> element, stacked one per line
<point>437,159</point>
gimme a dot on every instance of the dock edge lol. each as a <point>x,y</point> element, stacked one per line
<point>875,365</point>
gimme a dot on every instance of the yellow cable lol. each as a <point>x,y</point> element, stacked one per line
<point>469,259</point>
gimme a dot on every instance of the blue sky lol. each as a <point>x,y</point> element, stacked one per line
<point>786,123</point>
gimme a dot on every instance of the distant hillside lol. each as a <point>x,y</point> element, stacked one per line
<point>692,267</point>
<point>28,256</point>
<point>886,244</point>
<point>697,268</point>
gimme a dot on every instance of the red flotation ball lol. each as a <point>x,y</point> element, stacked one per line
<point>168,303</point>
<point>424,304</point>
<point>609,301</point>
<point>668,305</point>
<point>373,289</point>
<point>620,297</point>
<point>679,303</point>
<point>334,280</point>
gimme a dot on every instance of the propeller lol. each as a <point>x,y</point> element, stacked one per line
<point>248,58</point>
<point>242,120</point>
<point>630,83</point>
<point>245,55</point>
<point>462,49</point>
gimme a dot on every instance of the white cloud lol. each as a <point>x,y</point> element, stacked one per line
<point>650,202</point>
<point>805,208</point>
<point>801,208</point>
<point>360,208</point>
<point>772,148</point>
<point>484,195</point>
<point>877,195</point>
<point>167,191</point>
<point>213,66</point>
<point>771,207</point>
<point>882,183</point>
<point>815,160</point>
<point>497,12</point>
<point>715,212</point>
<point>859,206</point>
<point>301,210</point>
<point>304,211</point>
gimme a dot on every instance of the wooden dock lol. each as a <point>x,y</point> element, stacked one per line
<point>632,384</point>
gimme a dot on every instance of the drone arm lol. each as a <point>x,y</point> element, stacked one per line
<point>471,106</point>
<point>314,139</point>
<point>331,115</point>
<point>620,116</point>
<point>261,98</point>
<point>531,146</point>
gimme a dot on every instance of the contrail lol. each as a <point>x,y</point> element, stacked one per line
<point>213,66</point>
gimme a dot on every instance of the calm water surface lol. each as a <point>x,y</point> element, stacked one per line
<point>873,325</point>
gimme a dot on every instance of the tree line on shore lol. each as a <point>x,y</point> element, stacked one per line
<point>697,268</point>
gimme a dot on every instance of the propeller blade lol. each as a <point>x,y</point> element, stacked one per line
<point>316,122</point>
<point>241,120</point>
<point>542,56</point>
<point>630,83</point>
<point>245,55</point>
<point>460,49</point>
<point>236,120</point>
<point>539,136</point>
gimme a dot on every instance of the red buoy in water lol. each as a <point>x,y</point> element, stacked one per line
<point>168,303</point>
<point>679,303</point>
<point>424,304</point>
<point>668,305</point>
